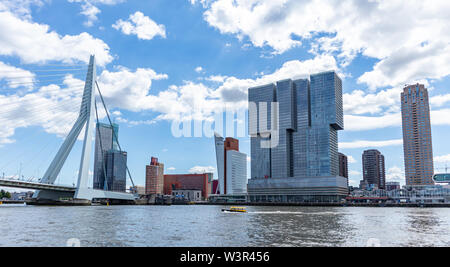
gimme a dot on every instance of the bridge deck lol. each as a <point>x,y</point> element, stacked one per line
<point>36,186</point>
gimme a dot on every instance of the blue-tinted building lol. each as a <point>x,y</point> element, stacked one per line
<point>302,162</point>
<point>105,140</point>
<point>116,170</point>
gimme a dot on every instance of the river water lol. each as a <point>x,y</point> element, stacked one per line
<point>205,226</point>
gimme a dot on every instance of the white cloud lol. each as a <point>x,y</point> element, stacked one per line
<point>395,174</point>
<point>440,117</point>
<point>351,159</point>
<point>199,101</point>
<point>442,159</point>
<point>439,100</point>
<point>35,43</point>
<point>354,173</point>
<point>370,144</point>
<point>90,10</point>
<point>127,89</point>
<point>364,123</point>
<point>21,8</point>
<point>16,77</point>
<point>407,65</point>
<point>52,107</point>
<point>198,69</point>
<point>171,168</point>
<point>359,102</point>
<point>409,47</point>
<point>140,25</point>
<point>202,169</point>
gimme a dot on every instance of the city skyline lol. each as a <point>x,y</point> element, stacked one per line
<point>143,90</point>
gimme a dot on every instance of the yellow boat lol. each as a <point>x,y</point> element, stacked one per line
<point>235,209</point>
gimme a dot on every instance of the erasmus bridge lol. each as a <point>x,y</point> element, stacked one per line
<point>46,189</point>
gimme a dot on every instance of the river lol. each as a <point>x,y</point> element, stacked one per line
<point>207,226</point>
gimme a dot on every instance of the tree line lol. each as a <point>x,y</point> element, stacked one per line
<point>4,194</point>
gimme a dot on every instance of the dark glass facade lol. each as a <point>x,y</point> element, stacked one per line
<point>116,170</point>
<point>374,172</point>
<point>105,140</point>
<point>303,137</point>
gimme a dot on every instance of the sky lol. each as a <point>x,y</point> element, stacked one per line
<point>160,62</point>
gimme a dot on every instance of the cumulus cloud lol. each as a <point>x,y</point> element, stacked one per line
<point>351,159</point>
<point>442,159</point>
<point>89,8</point>
<point>409,48</point>
<point>202,169</point>
<point>21,8</point>
<point>128,89</point>
<point>35,43</point>
<point>395,174</point>
<point>140,25</point>
<point>52,107</point>
<point>439,100</point>
<point>198,69</point>
<point>370,144</point>
<point>365,123</point>
<point>16,77</point>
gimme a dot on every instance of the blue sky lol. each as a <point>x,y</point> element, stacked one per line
<point>160,61</point>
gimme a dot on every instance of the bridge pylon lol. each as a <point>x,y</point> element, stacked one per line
<point>86,120</point>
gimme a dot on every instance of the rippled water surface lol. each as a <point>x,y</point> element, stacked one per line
<point>208,226</point>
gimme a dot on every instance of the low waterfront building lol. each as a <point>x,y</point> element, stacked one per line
<point>390,186</point>
<point>200,182</point>
<point>140,190</point>
<point>408,194</point>
<point>187,195</point>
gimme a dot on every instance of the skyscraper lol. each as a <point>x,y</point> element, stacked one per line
<point>105,140</point>
<point>302,160</point>
<point>417,143</point>
<point>343,165</point>
<point>116,170</point>
<point>154,178</point>
<point>374,172</point>
<point>231,166</point>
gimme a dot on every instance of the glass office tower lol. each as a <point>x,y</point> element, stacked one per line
<point>303,161</point>
<point>105,140</point>
<point>116,170</point>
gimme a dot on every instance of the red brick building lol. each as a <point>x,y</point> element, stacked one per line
<point>188,182</point>
<point>154,177</point>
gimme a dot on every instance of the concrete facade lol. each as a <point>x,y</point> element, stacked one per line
<point>417,141</point>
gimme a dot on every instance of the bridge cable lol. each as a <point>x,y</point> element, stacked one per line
<point>114,132</point>
<point>105,186</point>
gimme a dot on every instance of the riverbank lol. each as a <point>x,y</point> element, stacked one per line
<point>375,205</point>
<point>249,204</point>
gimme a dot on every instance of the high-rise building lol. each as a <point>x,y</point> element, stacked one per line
<point>343,165</point>
<point>374,173</point>
<point>201,181</point>
<point>417,143</point>
<point>116,170</point>
<point>105,140</point>
<point>231,166</point>
<point>294,149</point>
<point>154,178</point>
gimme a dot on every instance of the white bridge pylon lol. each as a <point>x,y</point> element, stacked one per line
<point>85,119</point>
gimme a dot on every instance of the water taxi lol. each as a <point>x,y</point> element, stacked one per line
<point>235,209</point>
